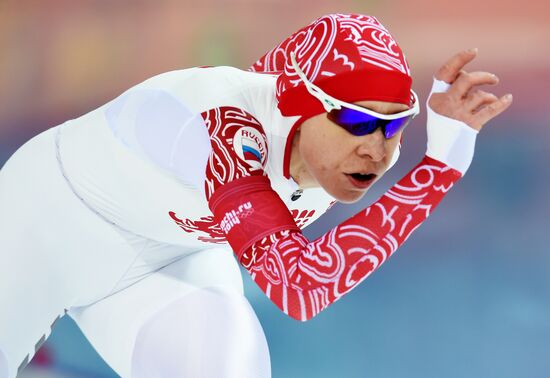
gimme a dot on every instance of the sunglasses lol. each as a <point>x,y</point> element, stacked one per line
<point>355,119</point>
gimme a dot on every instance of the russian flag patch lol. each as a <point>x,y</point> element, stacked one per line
<point>250,146</point>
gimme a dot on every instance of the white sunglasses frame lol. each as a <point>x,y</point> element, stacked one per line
<point>331,103</point>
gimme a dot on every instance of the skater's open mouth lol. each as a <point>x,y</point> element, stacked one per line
<point>363,176</point>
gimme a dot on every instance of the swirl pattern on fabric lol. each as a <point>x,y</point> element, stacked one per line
<point>302,278</point>
<point>207,225</point>
<point>340,53</point>
<point>379,49</point>
<point>225,164</point>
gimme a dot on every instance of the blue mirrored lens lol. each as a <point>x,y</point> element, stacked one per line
<point>359,124</point>
<point>395,125</point>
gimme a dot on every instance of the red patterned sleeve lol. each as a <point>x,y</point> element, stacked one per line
<point>301,277</point>
<point>237,188</point>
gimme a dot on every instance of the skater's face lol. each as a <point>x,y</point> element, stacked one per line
<point>324,154</point>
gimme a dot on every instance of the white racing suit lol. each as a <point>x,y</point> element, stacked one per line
<point>132,213</point>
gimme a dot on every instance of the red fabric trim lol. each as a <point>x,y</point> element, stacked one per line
<point>353,86</point>
<point>236,186</point>
<point>248,210</point>
<point>288,146</point>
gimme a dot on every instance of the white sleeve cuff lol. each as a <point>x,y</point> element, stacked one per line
<point>450,141</point>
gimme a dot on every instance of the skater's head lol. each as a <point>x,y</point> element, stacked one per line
<point>342,75</point>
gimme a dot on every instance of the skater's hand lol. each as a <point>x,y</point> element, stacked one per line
<point>464,101</point>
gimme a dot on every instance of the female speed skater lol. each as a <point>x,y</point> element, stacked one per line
<point>133,218</point>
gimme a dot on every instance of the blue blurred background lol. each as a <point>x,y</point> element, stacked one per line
<point>467,295</point>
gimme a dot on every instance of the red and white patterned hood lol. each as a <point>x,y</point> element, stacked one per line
<point>351,57</point>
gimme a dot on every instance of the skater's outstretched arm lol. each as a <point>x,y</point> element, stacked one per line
<point>301,277</point>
